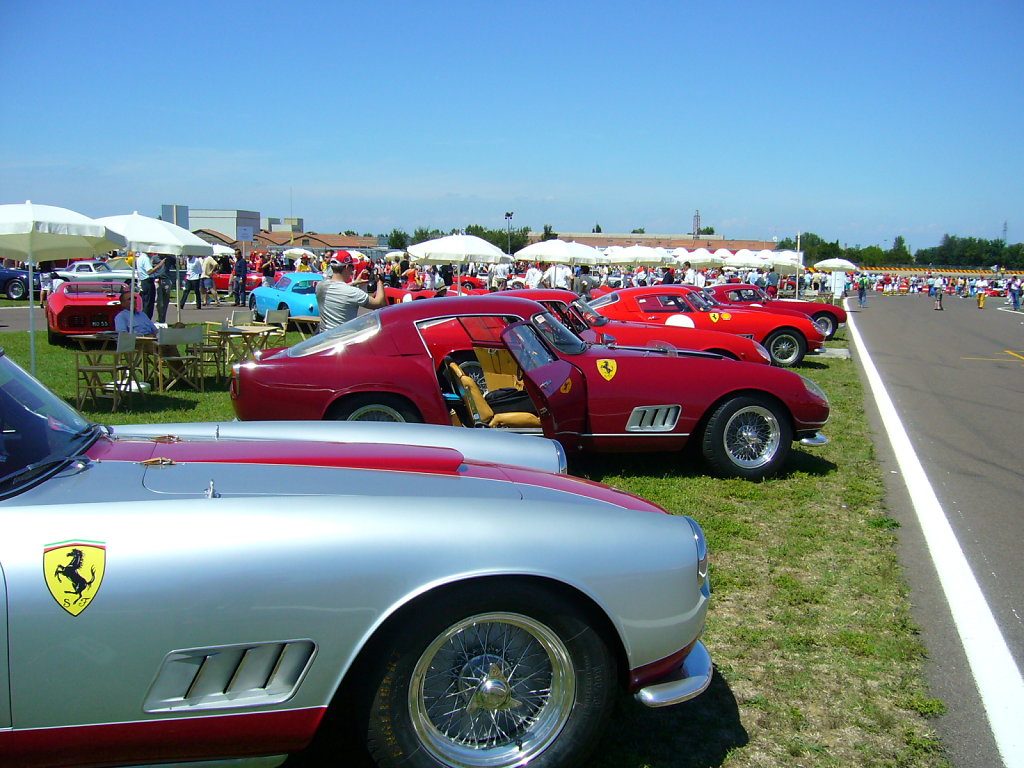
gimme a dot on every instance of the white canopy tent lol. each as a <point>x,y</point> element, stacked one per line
<point>34,233</point>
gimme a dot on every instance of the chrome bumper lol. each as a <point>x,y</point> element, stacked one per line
<point>694,678</point>
<point>815,440</point>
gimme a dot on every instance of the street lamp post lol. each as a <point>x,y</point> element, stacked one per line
<point>508,229</point>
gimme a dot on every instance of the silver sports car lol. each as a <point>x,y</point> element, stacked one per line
<point>200,592</point>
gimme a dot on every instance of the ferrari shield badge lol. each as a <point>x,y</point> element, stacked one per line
<point>73,571</point>
<point>607,369</point>
<point>713,316</point>
<point>566,387</point>
<point>716,316</point>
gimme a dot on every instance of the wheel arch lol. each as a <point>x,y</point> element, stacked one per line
<point>702,423</point>
<point>377,640</point>
<point>342,400</point>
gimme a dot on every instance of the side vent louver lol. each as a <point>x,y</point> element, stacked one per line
<point>654,418</point>
<point>230,676</point>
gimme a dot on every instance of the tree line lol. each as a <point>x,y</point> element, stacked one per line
<point>953,251</point>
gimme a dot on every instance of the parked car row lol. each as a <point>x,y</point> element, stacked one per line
<point>445,361</point>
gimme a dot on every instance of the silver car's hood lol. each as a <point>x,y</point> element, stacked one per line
<point>476,445</point>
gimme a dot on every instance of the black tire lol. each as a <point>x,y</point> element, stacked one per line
<point>747,437</point>
<point>827,322</point>
<point>16,290</point>
<point>374,406</point>
<point>786,347</point>
<point>542,679</point>
<point>252,308</point>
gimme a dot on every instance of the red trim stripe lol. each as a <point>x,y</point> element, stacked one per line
<point>186,738</point>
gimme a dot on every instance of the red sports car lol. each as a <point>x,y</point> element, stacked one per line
<point>576,313</point>
<point>76,308</point>
<point>787,337</point>
<point>826,316</point>
<point>392,365</point>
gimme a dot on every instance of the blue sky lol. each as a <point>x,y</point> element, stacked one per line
<point>857,121</point>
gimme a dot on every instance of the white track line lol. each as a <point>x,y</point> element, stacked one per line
<point>996,674</point>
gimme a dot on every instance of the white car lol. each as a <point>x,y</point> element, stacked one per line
<point>93,271</point>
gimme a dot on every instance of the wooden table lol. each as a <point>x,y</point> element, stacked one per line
<point>242,342</point>
<point>306,325</point>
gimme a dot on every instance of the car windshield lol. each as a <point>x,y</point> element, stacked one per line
<point>587,312</point>
<point>99,266</point>
<point>354,331</point>
<point>701,301</point>
<point>38,430</point>
<point>283,283</point>
<point>305,288</point>
<point>604,301</point>
<point>560,337</point>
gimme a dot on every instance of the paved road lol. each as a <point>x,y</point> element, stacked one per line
<point>16,318</point>
<point>957,379</point>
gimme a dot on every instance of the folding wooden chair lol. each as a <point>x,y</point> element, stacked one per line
<point>278,320</point>
<point>107,373</point>
<point>176,360</point>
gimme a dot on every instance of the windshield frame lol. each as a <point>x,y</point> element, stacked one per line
<point>39,432</point>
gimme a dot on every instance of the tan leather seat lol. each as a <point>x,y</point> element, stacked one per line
<point>482,412</point>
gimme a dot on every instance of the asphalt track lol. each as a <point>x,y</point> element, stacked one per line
<point>956,379</point>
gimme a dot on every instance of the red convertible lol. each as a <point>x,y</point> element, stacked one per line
<point>396,365</point>
<point>76,308</point>
<point>826,316</point>
<point>787,337</point>
<point>575,313</point>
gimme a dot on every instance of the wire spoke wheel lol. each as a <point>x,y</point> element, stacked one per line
<point>752,437</point>
<point>375,412</point>
<point>492,690</point>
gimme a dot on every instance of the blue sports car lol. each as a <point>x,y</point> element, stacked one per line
<point>294,291</point>
<point>14,282</point>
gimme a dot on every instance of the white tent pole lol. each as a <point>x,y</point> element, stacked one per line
<point>31,316</point>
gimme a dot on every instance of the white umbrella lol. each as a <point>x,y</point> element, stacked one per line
<point>702,257</point>
<point>559,252</point>
<point>33,233</point>
<point>144,233</point>
<point>222,250</point>
<point>642,255</point>
<point>836,265</point>
<point>456,249</point>
<point>744,258</point>
<point>297,253</point>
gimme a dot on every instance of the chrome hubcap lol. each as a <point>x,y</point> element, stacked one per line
<point>752,437</point>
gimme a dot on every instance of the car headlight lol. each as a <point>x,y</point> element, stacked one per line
<point>762,352</point>
<point>815,390</point>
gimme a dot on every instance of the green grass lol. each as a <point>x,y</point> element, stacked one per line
<point>817,660</point>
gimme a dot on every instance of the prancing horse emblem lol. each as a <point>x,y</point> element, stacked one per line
<point>607,369</point>
<point>73,571</point>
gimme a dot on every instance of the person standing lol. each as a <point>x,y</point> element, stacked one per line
<point>1014,287</point>
<point>939,286</point>
<point>163,278</point>
<point>533,276</point>
<point>584,283</point>
<point>239,273</point>
<point>556,276</point>
<point>207,284</point>
<point>193,282</point>
<point>771,281</point>
<point>862,290</point>
<point>689,274</point>
<point>339,299</point>
<point>143,266</point>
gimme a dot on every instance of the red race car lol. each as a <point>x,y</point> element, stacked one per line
<point>75,308</point>
<point>392,365</point>
<point>575,313</point>
<point>826,316</point>
<point>787,337</point>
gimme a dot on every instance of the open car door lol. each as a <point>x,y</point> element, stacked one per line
<point>555,385</point>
